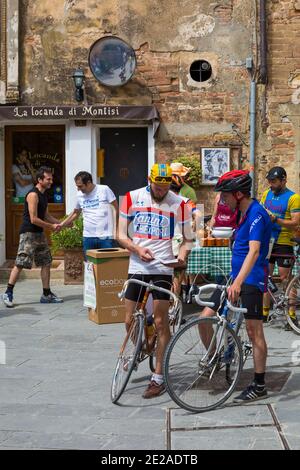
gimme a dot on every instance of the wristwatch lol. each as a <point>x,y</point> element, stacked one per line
<point>275,220</point>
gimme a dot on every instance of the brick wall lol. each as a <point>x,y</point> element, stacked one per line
<point>279,144</point>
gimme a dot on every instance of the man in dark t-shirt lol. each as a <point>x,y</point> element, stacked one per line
<point>33,245</point>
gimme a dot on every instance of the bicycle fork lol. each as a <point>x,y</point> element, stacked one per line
<point>212,354</point>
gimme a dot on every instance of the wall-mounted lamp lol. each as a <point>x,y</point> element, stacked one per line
<point>78,77</point>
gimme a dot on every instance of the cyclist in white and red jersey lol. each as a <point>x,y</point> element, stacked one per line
<point>148,217</point>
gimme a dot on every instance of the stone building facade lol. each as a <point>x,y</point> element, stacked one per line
<point>48,40</point>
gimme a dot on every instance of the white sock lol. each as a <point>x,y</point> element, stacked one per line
<point>158,378</point>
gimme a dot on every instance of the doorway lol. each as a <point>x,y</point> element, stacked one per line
<point>125,153</point>
<point>27,148</point>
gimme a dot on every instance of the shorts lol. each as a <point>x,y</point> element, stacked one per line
<point>136,293</point>
<point>282,261</point>
<point>33,247</point>
<point>252,300</point>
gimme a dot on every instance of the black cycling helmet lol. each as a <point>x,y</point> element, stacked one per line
<point>233,181</point>
<point>276,172</point>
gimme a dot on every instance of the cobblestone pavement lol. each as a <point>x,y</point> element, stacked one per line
<point>55,388</point>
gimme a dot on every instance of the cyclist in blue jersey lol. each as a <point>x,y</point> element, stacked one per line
<point>249,272</point>
<point>283,206</point>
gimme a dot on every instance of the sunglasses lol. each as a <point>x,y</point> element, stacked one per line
<point>161,179</point>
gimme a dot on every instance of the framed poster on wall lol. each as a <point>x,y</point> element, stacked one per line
<point>215,161</point>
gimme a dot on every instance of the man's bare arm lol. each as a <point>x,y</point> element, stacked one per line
<point>32,200</point>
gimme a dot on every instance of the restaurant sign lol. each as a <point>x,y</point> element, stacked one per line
<point>20,113</point>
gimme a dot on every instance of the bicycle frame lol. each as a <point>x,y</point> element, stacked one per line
<point>221,314</point>
<point>150,287</point>
<point>134,350</point>
<point>280,299</point>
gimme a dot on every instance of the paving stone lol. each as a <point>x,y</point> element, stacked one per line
<point>227,439</point>
<point>31,440</point>
<point>55,387</point>
<point>239,415</point>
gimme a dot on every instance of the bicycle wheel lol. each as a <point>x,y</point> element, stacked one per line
<point>195,380</point>
<point>175,318</point>
<point>241,331</point>
<point>292,295</point>
<point>152,359</point>
<point>127,357</point>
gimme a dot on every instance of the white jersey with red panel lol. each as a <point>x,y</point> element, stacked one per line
<point>153,226</point>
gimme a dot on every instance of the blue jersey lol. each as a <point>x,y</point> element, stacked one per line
<point>255,225</point>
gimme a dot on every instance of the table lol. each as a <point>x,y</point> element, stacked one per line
<point>210,260</point>
<point>213,260</point>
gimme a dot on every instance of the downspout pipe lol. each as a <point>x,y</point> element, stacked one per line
<point>263,71</point>
<point>252,132</point>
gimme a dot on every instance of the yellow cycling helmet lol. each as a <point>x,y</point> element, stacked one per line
<point>161,173</point>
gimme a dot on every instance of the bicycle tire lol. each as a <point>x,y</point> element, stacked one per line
<point>241,332</point>
<point>127,358</point>
<point>295,302</point>
<point>175,323</point>
<point>152,359</point>
<point>185,385</point>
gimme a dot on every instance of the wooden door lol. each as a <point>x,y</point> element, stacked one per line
<point>44,146</point>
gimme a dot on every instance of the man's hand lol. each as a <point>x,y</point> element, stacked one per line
<point>66,225</point>
<point>271,215</point>
<point>181,259</point>
<point>234,292</point>
<point>56,227</point>
<point>145,254</point>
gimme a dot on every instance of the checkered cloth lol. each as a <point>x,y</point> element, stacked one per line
<point>215,261</point>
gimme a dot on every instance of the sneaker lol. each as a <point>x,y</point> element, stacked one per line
<point>7,299</point>
<point>50,299</point>
<point>288,327</point>
<point>154,390</point>
<point>252,393</point>
<point>265,318</point>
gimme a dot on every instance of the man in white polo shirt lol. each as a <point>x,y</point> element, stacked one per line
<point>99,208</point>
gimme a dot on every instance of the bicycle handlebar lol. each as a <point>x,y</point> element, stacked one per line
<point>151,287</point>
<point>212,287</point>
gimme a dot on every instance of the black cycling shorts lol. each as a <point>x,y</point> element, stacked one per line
<point>251,299</point>
<point>282,260</point>
<point>136,293</point>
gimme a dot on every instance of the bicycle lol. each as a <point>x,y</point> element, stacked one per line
<point>204,359</point>
<point>137,345</point>
<point>286,298</point>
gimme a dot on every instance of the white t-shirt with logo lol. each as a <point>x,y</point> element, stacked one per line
<point>153,226</point>
<point>98,214</point>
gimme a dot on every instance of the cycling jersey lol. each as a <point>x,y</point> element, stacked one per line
<point>281,205</point>
<point>255,225</point>
<point>153,226</point>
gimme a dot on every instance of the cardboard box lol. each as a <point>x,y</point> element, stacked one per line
<point>111,271</point>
